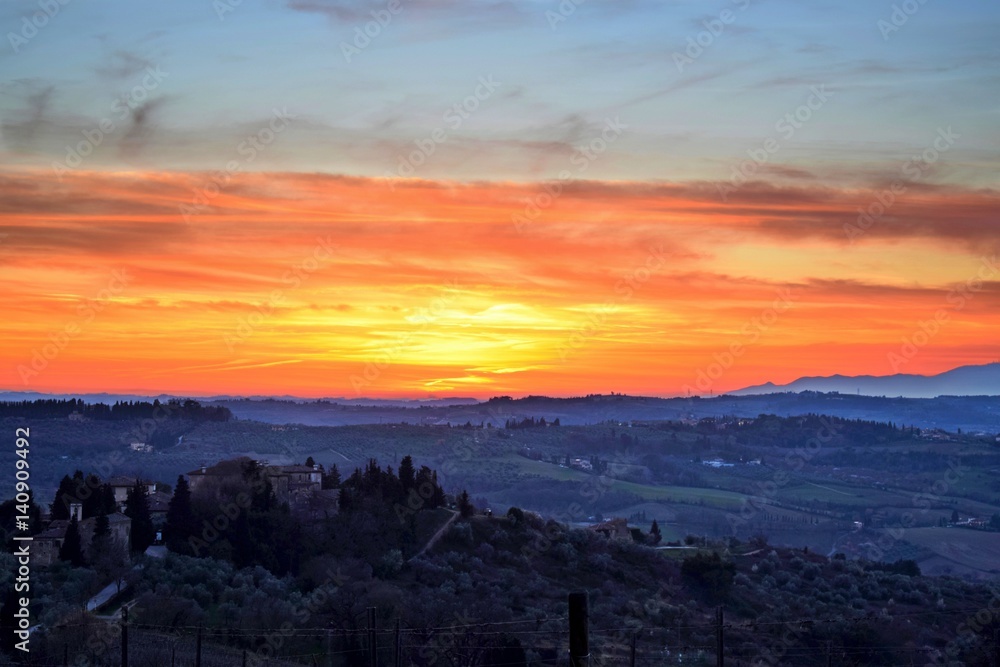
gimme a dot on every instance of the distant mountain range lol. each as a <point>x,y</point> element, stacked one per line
<point>962,381</point>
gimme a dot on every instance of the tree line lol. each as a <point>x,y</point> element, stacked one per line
<point>174,408</point>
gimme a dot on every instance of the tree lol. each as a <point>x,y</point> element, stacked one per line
<point>8,624</point>
<point>102,527</point>
<point>59,509</point>
<point>91,496</point>
<point>710,573</point>
<point>437,498</point>
<point>180,525</point>
<point>465,507</point>
<point>310,462</point>
<point>516,516</point>
<point>10,510</point>
<point>137,509</point>
<point>407,474</point>
<point>331,480</point>
<point>428,487</point>
<point>71,550</point>
<point>345,500</point>
<point>654,533</point>
<point>954,516</point>
<point>107,555</point>
<point>108,504</point>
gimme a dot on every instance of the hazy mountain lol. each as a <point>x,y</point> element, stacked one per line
<point>963,381</point>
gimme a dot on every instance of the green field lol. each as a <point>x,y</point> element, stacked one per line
<point>975,549</point>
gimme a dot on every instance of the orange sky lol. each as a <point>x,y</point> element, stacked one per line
<point>319,285</point>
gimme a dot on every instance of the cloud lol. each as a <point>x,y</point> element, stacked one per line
<point>141,128</point>
<point>123,64</point>
<point>21,129</point>
<point>107,210</point>
<point>490,13</point>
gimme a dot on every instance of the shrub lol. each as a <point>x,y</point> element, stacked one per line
<point>710,573</point>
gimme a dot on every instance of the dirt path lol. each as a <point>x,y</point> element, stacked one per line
<point>437,536</point>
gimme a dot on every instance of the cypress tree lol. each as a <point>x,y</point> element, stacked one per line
<point>180,518</point>
<point>59,509</point>
<point>137,509</point>
<point>407,475</point>
<point>71,550</point>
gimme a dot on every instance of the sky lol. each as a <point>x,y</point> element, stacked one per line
<point>416,198</point>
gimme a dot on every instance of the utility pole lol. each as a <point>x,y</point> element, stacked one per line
<point>631,654</point>
<point>124,636</point>
<point>372,643</point>
<point>397,646</point>
<point>720,659</point>
<point>579,631</point>
<point>197,649</point>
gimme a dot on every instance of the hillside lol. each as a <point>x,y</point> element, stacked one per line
<point>496,588</point>
<point>970,413</point>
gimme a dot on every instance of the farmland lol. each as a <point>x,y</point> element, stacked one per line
<point>713,477</point>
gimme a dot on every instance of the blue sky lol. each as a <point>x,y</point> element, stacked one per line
<point>227,70</point>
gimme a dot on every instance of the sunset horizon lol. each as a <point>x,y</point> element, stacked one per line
<point>649,199</point>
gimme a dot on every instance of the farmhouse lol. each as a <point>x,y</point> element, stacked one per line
<point>613,528</point>
<point>122,485</point>
<point>46,544</point>
<point>289,482</point>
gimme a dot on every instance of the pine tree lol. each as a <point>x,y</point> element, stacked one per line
<point>180,523</point>
<point>331,480</point>
<point>310,462</point>
<point>71,550</point>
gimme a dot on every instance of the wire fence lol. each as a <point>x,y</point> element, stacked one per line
<point>95,642</point>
